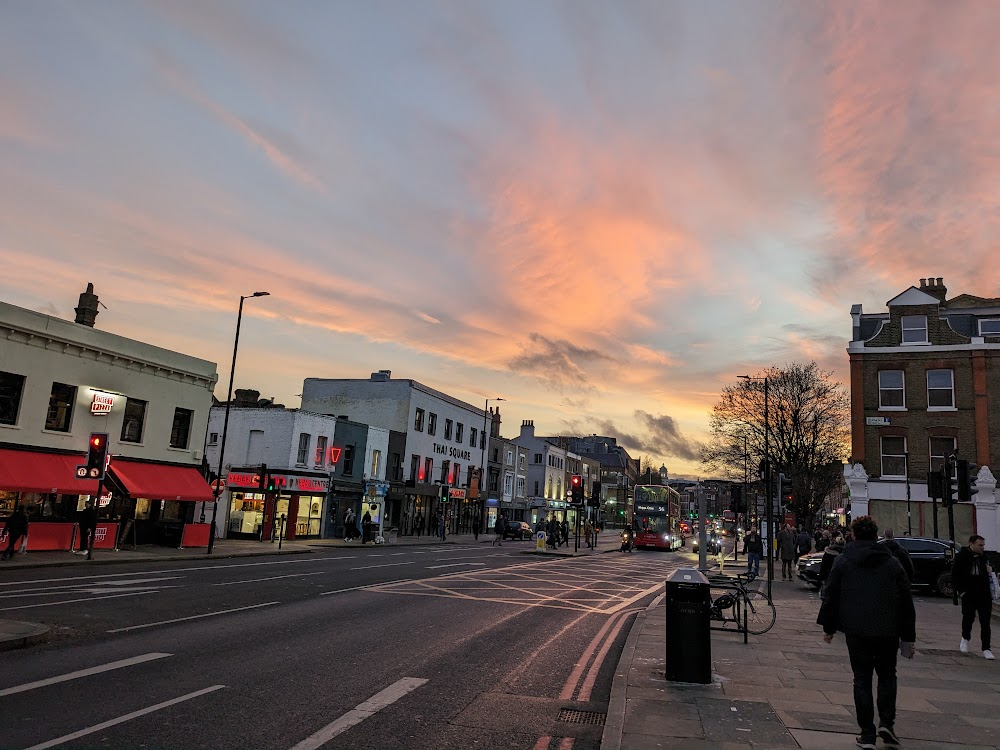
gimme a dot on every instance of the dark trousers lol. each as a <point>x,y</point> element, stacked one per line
<point>11,545</point>
<point>878,655</point>
<point>85,538</point>
<point>786,568</point>
<point>753,563</point>
<point>973,605</point>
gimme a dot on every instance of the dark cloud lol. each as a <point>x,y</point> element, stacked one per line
<point>559,364</point>
<point>662,438</point>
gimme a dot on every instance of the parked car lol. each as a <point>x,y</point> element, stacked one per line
<point>518,530</point>
<point>932,559</point>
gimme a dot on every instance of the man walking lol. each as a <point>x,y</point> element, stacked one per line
<point>15,528</point>
<point>889,540</point>
<point>786,548</point>
<point>565,532</point>
<point>970,575</point>
<point>498,529</point>
<point>868,599</point>
<point>87,518</point>
<point>753,548</point>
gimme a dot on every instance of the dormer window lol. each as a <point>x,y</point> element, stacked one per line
<point>914,329</point>
<point>989,327</point>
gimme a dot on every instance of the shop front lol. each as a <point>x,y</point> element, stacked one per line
<point>291,505</point>
<point>423,503</point>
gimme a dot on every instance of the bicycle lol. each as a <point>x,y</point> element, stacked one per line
<point>752,604</point>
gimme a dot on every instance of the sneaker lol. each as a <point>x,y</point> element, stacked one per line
<point>864,743</point>
<point>888,736</point>
<point>988,654</point>
<point>963,646</point>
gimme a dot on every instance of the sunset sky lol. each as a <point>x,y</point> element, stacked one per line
<point>602,212</point>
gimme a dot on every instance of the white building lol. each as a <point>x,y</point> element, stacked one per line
<point>61,381</point>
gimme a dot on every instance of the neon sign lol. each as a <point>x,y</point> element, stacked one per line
<point>335,454</point>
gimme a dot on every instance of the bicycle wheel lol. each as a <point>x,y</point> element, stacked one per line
<point>761,613</point>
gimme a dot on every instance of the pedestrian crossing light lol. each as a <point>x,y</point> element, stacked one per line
<point>576,489</point>
<point>966,481</point>
<point>97,455</point>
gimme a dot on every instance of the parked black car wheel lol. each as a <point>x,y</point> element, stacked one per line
<point>943,584</point>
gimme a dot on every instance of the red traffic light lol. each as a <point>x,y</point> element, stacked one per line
<point>96,440</point>
<point>577,480</point>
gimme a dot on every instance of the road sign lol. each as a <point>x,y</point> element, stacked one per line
<point>218,485</point>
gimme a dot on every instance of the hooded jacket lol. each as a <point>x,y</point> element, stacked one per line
<point>900,554</point>
<point>868,595</point>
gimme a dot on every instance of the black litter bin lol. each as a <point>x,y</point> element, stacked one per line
<point>689,638</point>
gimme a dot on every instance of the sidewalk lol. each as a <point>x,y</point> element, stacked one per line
<point>787,688</point>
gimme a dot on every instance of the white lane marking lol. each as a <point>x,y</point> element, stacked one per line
<point>83,673</point>
<point>371,706</point>
<point>383,565</point>
<point>74,601</point>
<point>272,578</point>
<point>192,617</point>
<point>122,719</point>
<point>454,565</point>
<point>366,586</point>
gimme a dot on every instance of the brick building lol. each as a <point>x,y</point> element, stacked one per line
<point>925,384</point>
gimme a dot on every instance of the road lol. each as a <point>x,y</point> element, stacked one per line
<point>445,646</point>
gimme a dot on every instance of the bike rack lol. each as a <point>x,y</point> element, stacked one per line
<point>725,582</point>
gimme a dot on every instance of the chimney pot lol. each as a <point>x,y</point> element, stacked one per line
<point>86,309</point>
<point>923,283</point>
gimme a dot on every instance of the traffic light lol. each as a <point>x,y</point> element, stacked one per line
<point>576,489</point>
<point>948,484</point>
<point>784,492</point>
<point>762,469</point>
<point>595,495</point>
<point>271,483</point>
<point>97,455</point>
<point>736,503</point>
<point>934,489</point>
<point>966,481</point>
<point>262,478</point>
<point>444,493</point>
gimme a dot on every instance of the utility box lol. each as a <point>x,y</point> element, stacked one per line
<point>689,636</point>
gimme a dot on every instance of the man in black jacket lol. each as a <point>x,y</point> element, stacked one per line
<point>969,574</point>
<point>889,540</point>
<point>868,599</point>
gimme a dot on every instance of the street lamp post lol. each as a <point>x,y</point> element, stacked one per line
<point>482,465</point>
<point>767,485</point>
<point>225,421</point>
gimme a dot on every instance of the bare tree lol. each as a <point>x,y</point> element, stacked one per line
<point>808,431</point>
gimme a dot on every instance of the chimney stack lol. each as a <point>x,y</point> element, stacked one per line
<point>86,310</point>
<point>934,287</point>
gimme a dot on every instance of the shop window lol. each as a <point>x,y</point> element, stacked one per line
<point>320,457</point>
<point>418,421</point>
<point>180,430</point>
<point>302,454</point>
<point>459,432</point>
<point>134,420</point>
<point>432,423</point>
<point>914,329</point>
<point>893,456</point>
<point>11,388</point>
<point>940,389</point>
<point>940,448</point>
<point>348,460</point>
<point>59,416</point>
<point>448,425</point>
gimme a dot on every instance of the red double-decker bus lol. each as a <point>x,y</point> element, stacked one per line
<point>654,513</point>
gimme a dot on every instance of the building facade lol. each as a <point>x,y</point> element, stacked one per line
<point>925,385</point>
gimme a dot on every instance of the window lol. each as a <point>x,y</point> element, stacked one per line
<point>445,468</point>
<point>989,327</point>
<point>303,455</point>
<point>397,467</point>
<point>914,329</point>
<point>180,430</point>
<point>213,438</point>
<point>60,412</point>
<point>348,460</point>
<point>11,388</point>
<point>376,464</point>
<point>941,447</point>
<point>521,458</point>
<point>893,456</point>
<point>414,467</point>
<point>320,458</point>
<point>510,458</point>
<point>448,425</point>
<point>538,460</point>
<point>482,441</point>
<point>508,484</point>
<point>459,432</point>
<point>890,389</point>
<point>428,470</point>
<point>473,434</point>
<point>536,489</point>
<point>940,389</point>
<point>135,417</point>
<point>418,421</point>
<point>520,486</point>
<point>432,423</point>
<point>496,456</point>
<point>468,475</point>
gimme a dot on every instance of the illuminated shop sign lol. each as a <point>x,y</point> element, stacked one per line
<point>282,482</point>
<point>102,403</point>
<point>456,493</point>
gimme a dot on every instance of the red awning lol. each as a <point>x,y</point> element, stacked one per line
<point>161,482</point>
<point>34,471</point>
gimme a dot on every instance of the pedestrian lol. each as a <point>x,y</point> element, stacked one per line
<point>786,548</point>
<point>970,575</point>
<point>366,527</point>
<point>15,528</point>
<point>868,599</point>
<point>753,548</point>
<point>475,528</point>
<point>803,544</point>
<point>87,518</point>
<point>442,525</point>
<point>498,529</point>
<point>597,530</point>
<point>565,532</point>
<point>899,553</point>
<point>588,532</point>
<point>418,523</point>
<point>830,554</point>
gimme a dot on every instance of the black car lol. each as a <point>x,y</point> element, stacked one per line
<point>518,530</point>
<point>932,559</point>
